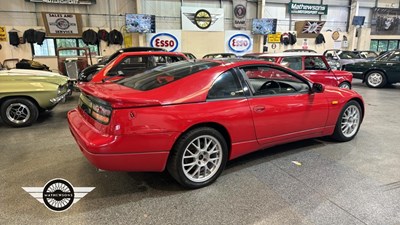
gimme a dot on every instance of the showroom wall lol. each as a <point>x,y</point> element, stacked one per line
<point>22,15</point>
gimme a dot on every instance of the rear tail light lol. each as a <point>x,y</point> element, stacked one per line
<point>101,113</point>
<point>96,108</point>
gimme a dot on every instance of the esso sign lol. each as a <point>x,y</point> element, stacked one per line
<point>239,43</point>
<point>164,40</point>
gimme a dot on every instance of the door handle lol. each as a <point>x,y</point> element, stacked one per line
<point>259,108</point>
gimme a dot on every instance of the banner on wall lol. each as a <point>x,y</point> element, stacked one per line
<point>385,21</point>
<point>238,43</point>
<point>308,29</point>
<point>167,39</point>
<point>3,34</point>
<point>65,2</point>
<point>62,24</point>
<point>202,19</point>
<point>310,9</point>
<point>239,13</point>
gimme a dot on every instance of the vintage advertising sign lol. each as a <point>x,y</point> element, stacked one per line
<point>311,9</point>
<point>274,38</point>
<point>308,29</point>
<point>202,19</point>
<point>65,2</point>
<point>3,34</point>
<point>169,40</point>
<point>239,13</point>
<point>62,24</point>
<point>238,42</point>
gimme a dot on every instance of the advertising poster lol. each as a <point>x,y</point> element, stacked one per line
<point>238,42</point>
<point>239,13</point>
<point>202,19</point>
<point>167,39</point>
<point>62,24</point>
<point>385,21</point>
<point>3,34</point>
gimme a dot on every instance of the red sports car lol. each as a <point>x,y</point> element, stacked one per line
<point>312,65</point>
<point>191,117</point>
<point>131,63</point>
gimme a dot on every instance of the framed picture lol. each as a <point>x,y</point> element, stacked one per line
<point>62,24</point>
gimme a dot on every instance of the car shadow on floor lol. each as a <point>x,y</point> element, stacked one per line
<point>164,182</point>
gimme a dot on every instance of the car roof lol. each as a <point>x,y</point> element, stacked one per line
<point>140,49</point>
<point>285,54</point>
<point>219,54</point>
<point>154,53</point>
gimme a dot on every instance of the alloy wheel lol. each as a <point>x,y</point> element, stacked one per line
<point>202,158</point>
<point>350,121</point>
<point>18,113</point>
<point>375,79</point>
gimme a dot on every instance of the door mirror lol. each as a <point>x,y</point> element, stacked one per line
<point>317,88</point>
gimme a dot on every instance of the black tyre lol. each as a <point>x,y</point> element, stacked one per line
<point>349,122</point>
<point>198,157</point>
<point>345,85</point>
<point>19,112</point>
<point>375,79</point>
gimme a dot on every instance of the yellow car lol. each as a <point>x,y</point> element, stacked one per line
<point>25,93</point>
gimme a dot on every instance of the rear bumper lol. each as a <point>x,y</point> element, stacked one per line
<point>101,149</point>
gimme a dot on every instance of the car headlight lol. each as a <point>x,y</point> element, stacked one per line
<point>59,89</point>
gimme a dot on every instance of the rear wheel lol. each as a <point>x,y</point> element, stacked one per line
<point>349,122</point>
<point>375,79</point>
<point>198,157</point>
<point>345,85</point>
<point>19,112</point>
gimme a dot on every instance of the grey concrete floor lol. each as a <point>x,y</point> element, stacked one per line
<point>357,182</point>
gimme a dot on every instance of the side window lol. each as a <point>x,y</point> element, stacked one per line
<point>274,81</point>
<point>226,86</point>
<point>329,54</point>
<point>395,57</point>
<point>314,63</point>
<point>130,66</point>
<point>162,60</point>
<point>293,63</point>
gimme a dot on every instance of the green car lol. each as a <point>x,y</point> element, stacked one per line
<point>25,93</point>
<point>378,72</point>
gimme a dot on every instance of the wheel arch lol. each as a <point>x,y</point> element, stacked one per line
<point>218,127</point>
<point>33,100</point>
<point>347,82</point>
<point>359,101</point>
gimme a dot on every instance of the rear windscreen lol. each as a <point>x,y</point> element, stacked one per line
<point>163,75</point>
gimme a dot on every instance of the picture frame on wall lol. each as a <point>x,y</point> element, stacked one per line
<point>62,24</point>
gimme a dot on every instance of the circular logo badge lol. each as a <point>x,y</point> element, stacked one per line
<point>240,43</point>
<point>165,40</point>
<point>58,195</point>
<point>240,11</point>
<point>335,35</point>
<point>202,19</point>
<point>62,23</point>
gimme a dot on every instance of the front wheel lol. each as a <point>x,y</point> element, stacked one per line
<point>375,79</point>
<point>198,157</point>
<point>19,112</point>
<point>345,85</point>
<point>349,122</point>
